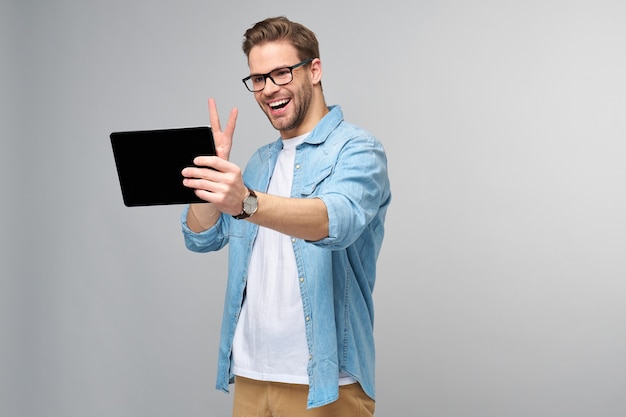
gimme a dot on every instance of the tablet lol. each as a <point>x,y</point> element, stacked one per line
<point>149,163</point>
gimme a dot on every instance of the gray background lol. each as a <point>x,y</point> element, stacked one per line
<point>501,287</point>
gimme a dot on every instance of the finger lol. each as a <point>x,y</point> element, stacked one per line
<point>200,171</point>
<point>198,184</point>
<point>204,195</point>
<point>213,116</point>
<point>215,120</point>
<point>215,163</point>
<point>232,122</point>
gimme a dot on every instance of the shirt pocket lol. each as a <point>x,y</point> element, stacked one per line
<point>312,184</point>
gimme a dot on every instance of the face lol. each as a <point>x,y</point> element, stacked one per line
<point>287,107</point>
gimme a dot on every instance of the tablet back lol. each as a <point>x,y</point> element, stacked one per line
<point>149,163</point>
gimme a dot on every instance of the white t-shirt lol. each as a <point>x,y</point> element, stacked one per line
<point>270,340</point>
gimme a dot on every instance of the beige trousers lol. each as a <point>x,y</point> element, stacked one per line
<point>254,398</point>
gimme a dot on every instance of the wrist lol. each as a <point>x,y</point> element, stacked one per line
<point>249,205</point>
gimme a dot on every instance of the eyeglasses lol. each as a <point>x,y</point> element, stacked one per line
<point>280,76</point>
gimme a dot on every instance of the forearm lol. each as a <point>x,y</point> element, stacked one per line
<point>202,216</point>
<point>303,218</point>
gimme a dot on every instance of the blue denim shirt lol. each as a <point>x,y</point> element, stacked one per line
<point>346,167</point>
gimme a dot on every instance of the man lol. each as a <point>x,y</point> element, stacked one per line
<point>305,224</point>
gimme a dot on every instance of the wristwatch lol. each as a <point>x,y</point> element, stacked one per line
<point>248,206</point>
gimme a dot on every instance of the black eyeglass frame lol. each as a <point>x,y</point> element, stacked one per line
<point>266,76</point>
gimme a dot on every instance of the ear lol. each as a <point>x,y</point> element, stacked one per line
<point>316,71</point>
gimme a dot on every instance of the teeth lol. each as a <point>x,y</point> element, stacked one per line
<point>278,103</point>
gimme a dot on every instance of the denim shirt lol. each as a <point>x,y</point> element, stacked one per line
<point>346,167</point>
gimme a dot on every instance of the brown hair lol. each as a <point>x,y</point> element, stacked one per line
<point>281,28</point>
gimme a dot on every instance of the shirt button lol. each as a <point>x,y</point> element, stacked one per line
<point>293,240</point>
<point>301,279</point>
<point>297,166</point>
<point>308,318</point>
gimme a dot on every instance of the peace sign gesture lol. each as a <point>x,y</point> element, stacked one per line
<point>223,138</point>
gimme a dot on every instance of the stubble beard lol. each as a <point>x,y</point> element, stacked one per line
<point>302,103</point>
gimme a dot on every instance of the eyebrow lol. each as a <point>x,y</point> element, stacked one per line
<point>269,72</point>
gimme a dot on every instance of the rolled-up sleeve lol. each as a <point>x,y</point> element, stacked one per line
<point>355,191</point>
<point>206,241</point>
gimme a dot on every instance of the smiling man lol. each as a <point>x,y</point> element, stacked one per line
<point>304,223</point>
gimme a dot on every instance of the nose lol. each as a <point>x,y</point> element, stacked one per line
<point>270,87</point>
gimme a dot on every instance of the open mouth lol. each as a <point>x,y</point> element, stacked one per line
<point>277,105</point>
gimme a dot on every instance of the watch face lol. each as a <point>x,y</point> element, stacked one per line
<point>250,204</point>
